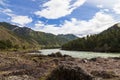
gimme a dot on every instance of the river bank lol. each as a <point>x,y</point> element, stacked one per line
<point>42,67</point>
<point>80,54</point>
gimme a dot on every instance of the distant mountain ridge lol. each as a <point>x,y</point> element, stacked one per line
<point>68,36</point>
<point>24,37</point>
<point>106,41</point>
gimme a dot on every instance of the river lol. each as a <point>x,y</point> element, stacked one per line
<point>80,54</point>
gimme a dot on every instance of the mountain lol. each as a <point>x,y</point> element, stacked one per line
<point>106,41</point>
<point>68,36</point>
<point>26,38</point>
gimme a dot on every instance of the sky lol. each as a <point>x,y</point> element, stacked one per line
<point>78,17</point>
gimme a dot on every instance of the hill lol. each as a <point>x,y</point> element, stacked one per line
<point>106,41</point>
<point>68,36</point>
<point>26,38</point>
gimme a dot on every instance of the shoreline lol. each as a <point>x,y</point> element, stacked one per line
<point>92,51</point>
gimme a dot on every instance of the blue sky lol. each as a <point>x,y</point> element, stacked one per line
<point>79,17</point>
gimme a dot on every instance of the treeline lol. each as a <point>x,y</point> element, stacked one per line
<point>107,41</point>
<point>8,45</point>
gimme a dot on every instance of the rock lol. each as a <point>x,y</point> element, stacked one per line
<point>34,51</point>
<point>93,59</point>
<point>68,72</point>
<point>20,77</point>
<point>99,59</point>
<point>104,74</point>
<point>35,60</point>
<point>57,54</point>
<point>84,60</point>
<point>56,61</point>
<point>66,55</point>
<point>116,58</point>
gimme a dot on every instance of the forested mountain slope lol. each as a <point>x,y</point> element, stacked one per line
<point>24,37</point>
<point>106,41</point>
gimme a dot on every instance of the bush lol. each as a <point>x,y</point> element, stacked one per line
<point>5,44</point>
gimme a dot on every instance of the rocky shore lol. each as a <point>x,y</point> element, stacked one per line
<point>15,66</point>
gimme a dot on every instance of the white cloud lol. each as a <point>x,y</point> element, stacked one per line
<point>117,8</point>
<point>106,10</point>
<point>112,5</point>
<point>105,3</point>
<point>39,24</point>
<point>18,19</point>
<point>2,2</point>
<point>54,9</point>
<point>98,23</point>
<point>7,11</point>
<point>100,6</point>
<point>21,20</point>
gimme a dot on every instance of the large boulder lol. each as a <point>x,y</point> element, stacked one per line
<point>68,72</point>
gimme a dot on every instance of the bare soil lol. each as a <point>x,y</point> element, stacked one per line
<point>17,66</point>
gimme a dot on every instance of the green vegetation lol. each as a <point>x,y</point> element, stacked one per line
<point>68,36</point>
<point>5,44</point>
<point>107,41</point>
<point>13,37</point>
